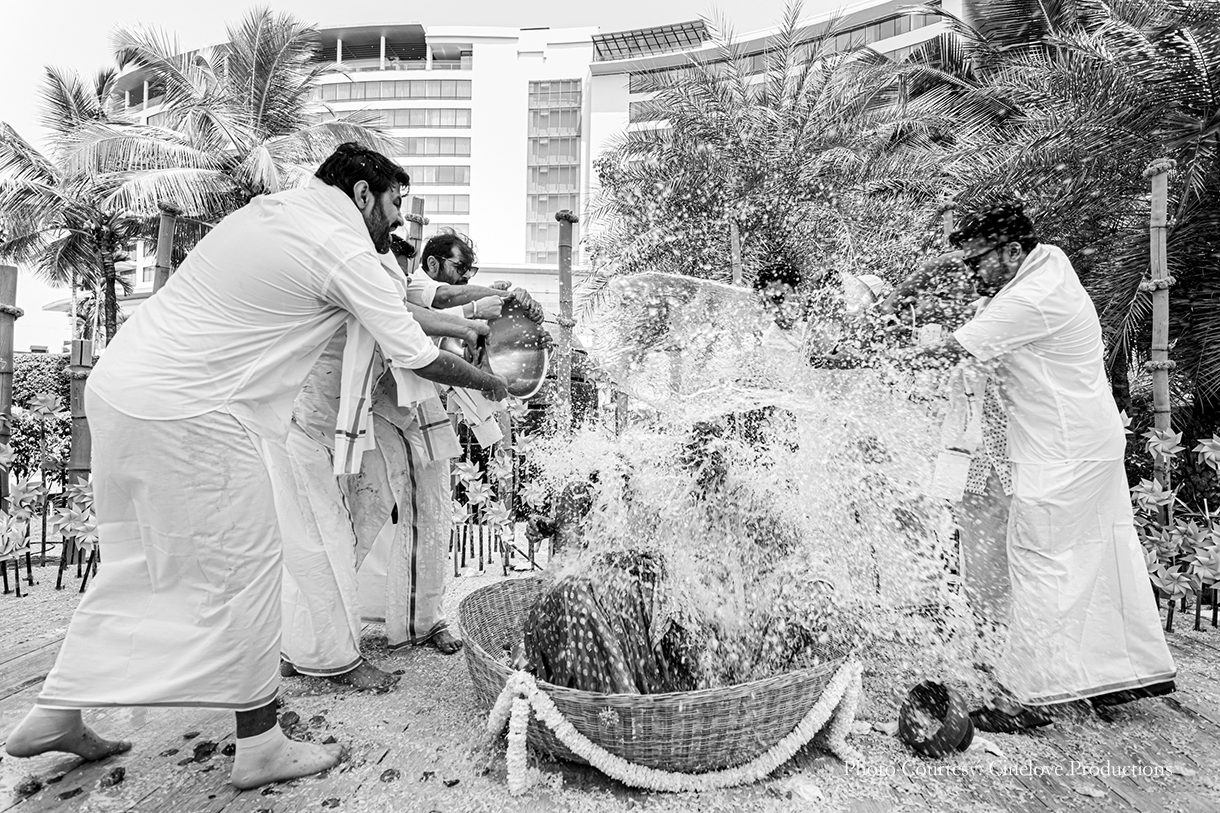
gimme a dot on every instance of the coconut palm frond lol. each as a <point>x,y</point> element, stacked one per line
<point>271,68</point>
<point>69,258</point>
<point>25,248</point>
<point>197,192</point>
<point>21,162</point>
<point>103,148</point>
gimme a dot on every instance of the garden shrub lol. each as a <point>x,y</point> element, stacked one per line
<point>25,439</point>
<point>35,373</point>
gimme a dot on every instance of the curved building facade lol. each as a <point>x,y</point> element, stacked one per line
<point>499,127</point>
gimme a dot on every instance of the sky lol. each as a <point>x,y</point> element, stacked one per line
<point>76,35</point>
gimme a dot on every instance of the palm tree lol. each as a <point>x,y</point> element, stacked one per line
<point>55,220</point>
<point>816,159</point>
<point>238,120</point>
<point>1082,95</point>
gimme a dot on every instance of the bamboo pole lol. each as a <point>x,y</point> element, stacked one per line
<point>620,412</point>
<point>1160,365</point>
<point>415,228</point>
<point>735,251</point>
<point>80,362</point>
<point>9,312</point>
<point>165,245</point>
<point>563,367</point>
<point>946,216</point>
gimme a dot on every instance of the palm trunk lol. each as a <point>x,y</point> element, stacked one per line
<point>1120,379</point>
<point>76,329</point>
<point>98,337</point>
<point>110,279</point>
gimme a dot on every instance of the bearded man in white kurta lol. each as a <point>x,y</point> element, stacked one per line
<point>1083,620</point>
<point>188,409</point>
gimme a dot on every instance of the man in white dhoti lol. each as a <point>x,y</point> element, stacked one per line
<point>320,607</point>
<point>402,581</point>
<point>1083,621</point>
<point>188,408</point>
<point>335,523</point>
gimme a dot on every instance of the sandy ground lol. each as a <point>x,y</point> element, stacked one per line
<point>423,747</point>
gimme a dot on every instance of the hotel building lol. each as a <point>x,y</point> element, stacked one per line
<point>499,128</point>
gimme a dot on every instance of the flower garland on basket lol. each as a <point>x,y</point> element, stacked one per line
<point>837,705</point>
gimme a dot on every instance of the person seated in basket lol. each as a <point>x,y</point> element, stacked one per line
<point>606,628</point>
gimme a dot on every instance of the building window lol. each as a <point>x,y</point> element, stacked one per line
<point>440,175</point>
<point>433,146</point>
<point>643,111</point>
<point>397,89</point>
<point>453,118</point>
<point>554,151</point>
<point>553,165</point>
<point>446,205</point>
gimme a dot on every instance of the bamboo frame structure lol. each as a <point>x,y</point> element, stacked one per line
<point>165,246</point>
<point>735,252</point>
<point>415,229</point>
<point>1160,365</point>
<point>563,365</point>
<point>80,362</point>
<point>8,318</point>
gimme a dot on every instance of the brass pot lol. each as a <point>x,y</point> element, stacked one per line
<point>518,349</point>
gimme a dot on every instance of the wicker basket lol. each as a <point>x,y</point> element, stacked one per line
<point>687,732</point>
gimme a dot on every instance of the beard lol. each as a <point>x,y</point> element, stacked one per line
<point>379,230</point>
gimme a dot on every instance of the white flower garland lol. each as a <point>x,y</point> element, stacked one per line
<point>840,699</point>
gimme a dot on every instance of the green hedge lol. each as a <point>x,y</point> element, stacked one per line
<point>26,441</point>
<point>36,373</point>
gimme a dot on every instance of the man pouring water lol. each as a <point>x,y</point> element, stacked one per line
<point>1083,622</point>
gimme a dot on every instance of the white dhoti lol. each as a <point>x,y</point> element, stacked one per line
<point>404,564</point>
<point>1084,621</point>
<point>321,613</point>
<point>186,609</point>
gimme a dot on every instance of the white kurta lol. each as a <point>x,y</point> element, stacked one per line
<point>200,384</point>
<point>1083,618</point>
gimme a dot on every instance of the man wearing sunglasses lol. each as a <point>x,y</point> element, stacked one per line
<point>1083,623</point>
<point>449,260</point>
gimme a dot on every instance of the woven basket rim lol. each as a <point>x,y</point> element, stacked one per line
<point>831,663</point>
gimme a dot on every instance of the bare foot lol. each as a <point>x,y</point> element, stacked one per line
<point>446,642</point>
<point>46,730</point>
<point>280,761</point>
<point>288,670</point>
<point>367,678</point>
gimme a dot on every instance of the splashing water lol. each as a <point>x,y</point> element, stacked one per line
<point>788,502</point>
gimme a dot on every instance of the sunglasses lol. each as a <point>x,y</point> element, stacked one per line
<point>467,271</point>
<point>975,261</point>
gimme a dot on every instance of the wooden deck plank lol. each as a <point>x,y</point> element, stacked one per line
<point>149,766</point>
<point>28,668</point>
<point>1119,789</point>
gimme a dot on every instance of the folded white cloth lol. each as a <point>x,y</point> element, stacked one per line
<point>480,415</point>
<point>961,432</point>
<point>962,428</point>
<point>358,374</point>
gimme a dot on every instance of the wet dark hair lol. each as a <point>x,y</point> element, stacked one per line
<point>350,163</point>
<point>400,247</point>
<point>1003,223</point>
<point>440,246</point>
<point>777,270</point>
